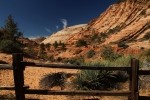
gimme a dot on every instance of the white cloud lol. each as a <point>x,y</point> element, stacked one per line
<point>64,22</point>
<point>57,27</point>
<point>48,30</point>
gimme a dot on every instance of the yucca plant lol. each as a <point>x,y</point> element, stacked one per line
<point>54,79</point>
<point>95,80</point>
<point>99,79</point>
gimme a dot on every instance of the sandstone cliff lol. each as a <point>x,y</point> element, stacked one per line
<point>64,34</point>
<point>126,21</point>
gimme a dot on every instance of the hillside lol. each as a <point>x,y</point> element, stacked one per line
<point>125,26</point>
<point>126,21</point>
<point>64,34</point>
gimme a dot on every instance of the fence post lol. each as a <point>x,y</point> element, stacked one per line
<point>134,79</point>
<point>18,71</point>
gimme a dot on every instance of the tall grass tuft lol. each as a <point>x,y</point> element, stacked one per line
<point>102,80</point>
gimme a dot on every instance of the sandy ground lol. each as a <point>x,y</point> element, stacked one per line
<point>32,78</point>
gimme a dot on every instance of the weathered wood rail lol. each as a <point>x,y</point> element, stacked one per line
<point>20,90</point>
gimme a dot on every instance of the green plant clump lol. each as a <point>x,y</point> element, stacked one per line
<point>107,53</point>
<point>99,80</point>
<point>147,36</point>
<point>81,43</point>
<point>90,53</point>
<point>123,45</point>
<point>9,46</point>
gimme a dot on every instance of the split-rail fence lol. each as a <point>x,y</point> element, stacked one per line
<point>18,67</point>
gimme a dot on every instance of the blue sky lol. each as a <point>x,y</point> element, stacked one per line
<point>42,17</point>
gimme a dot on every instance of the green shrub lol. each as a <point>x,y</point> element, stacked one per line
<point>51,80</point>
<point>143,12</point>
<point>51,58</point>
<point>147,36</point>
<point>99,37</point>
<point>30,51</point>
<point>59,59</point>
<point>114,30</point>
<point>147,52</point>
<point>98,80</point>
<point>123,45</point>
<point>108,54</point>
<point>94,80</point>
<point>55,44</point>
<point>47,46</point>
<point>63,46</point>
<point>75,61</point>
<point>42,47</point>
<point>81,43</point>
<point>9,46</point>
<point>90,53</point>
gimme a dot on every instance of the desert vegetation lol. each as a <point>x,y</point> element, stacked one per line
<point>9,35</point>
<point>80,43</point>
<point>108,54</point>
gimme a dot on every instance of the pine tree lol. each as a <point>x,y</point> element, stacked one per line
<point>8,37</point>
<point>48,45</point>
<point>55,44</point>
<point>42,48</point>
<point>63,46</point>
<point>12,29</point>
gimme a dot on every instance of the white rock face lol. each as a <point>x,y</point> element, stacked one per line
<point>64,34</point>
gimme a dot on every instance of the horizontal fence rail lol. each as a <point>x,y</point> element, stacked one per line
<point>144,72</point>
<point>6,66</point>
<point>69,66</point>
<point>11,87</point>
<point>89,93</point>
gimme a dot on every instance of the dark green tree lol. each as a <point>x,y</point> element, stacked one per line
<point>107,53</point>
<point>47,46</point>
<point>9,35</point>
<point>12,29</point>
<point>55,44</point>
<point>81,43</point>
<point>63,46</point>
<point>60,43</point>
<point>42,48</point>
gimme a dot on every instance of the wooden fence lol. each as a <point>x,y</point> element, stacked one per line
<point>20,90</point>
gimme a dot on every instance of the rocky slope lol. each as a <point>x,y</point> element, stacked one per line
<point>126,21</point>
<point>64,34</point>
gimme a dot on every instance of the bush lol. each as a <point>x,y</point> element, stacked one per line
<point>55,44</point>
<point>94,80</point>
<point>75,61</point>
<point>90,53</point>
<point>98,80</point>
<point>108,54</point>
<point>63,46</point>
<point>9,46</point>
<point>54,79</point>
<point>99,37</point>
<point>143,12</point>
<point>59,59</point>
<point>51,80</point>
<point>147,52</point>
<point>123,45</point>
<point>51,58</point>
<point>147,36</point>
<point>114,30</point>
<point>81,43</point>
